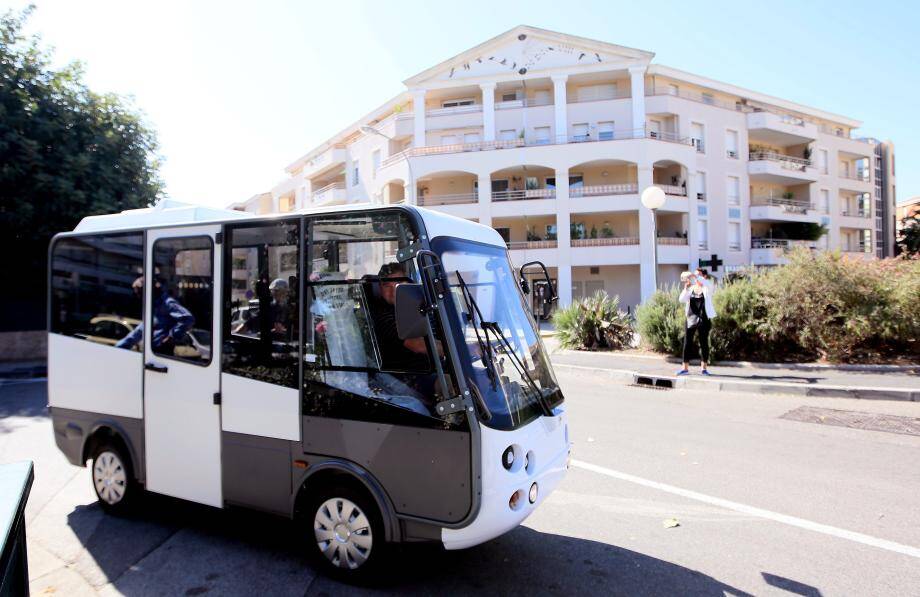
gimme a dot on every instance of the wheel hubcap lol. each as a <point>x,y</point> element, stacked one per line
<point>109,478</point>
<point>343,533</point>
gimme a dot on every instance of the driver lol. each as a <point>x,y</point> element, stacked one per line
<point>400,355</point>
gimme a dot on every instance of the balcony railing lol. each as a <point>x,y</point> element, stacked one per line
<point>669,136</point>
<point>521,142</point>
<point>528,102</point>
<point>327,192</point>
<point>788,205</point>
<point>531,244</point>
<point>450,199</point>
<point>670,189</point>
<point>701,98</point>
<point>605,242</point>
<point>523,194</point>
<point>617,94</point>
<point>860,176</point>
<point>855,213</point>
<point>677,241</point>
<point>604,189</point>
<point>786,161</point>
<point>840,132</point>
<point>781,243</point>
<point>454,110</point>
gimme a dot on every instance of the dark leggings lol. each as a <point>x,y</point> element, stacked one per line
<point>703,330</point>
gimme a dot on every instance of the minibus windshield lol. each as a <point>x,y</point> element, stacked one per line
<point>505,358</point>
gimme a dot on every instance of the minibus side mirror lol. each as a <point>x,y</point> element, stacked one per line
<point>525,286</point>
<point>411,317</point>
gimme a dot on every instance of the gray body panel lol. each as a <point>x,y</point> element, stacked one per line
<point>257,471</point>
<point>72,429</point>
<point>426,472</point>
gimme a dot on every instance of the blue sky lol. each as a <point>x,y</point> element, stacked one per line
<point>238,90</point>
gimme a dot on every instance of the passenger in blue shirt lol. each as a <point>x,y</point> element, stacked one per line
<point>171,321</point>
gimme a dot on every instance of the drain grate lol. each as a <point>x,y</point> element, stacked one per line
<point>658,383</point>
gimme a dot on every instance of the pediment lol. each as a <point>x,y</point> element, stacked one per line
<point>525,50</point>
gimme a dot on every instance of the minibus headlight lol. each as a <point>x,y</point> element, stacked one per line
<point>532,496</point>
<point>515,502</point>
<point>508,458</point>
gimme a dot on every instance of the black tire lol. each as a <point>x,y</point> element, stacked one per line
<point>113,478</point>
<point>335,556</point>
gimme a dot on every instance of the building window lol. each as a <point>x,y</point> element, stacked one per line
<point>507,135</point>
<point>673,90</point>
<point>822,161</point>
<point>733,190</point>
<point>509,97</point>
<point>605,131</point>
<point>448,139</point>
<point>697,136</point>
<point>542,134</point>
<point>731,144</point>
<point>734,236</point>
<point>355,176</point>
<point>580,131</point>
<point>701,186</point>
<point>470,138</point>
<point>708,98</point>
<point>455,103</point>
<point>825,200</point>
<point>703,234</point>
<point>375,160</point>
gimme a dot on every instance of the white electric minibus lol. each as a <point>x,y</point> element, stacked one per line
<point>374,373</point>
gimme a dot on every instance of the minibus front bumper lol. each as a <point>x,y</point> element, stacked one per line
<point>541,454</point>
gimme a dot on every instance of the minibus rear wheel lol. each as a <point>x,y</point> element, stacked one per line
<point>343,530</point>
<point>113,479</point>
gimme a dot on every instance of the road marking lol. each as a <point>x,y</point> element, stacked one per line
<point>900,548</point>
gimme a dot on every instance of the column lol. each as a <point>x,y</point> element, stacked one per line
<point>693,215</point>
<point>488,111</point>
<point>408,194</point>
<point>485,199</point>
<point>647,238</point>
<point>418,108</point>
<point>276,204</point>
<point>637,85</point>
<point>560,109</point>
<point>564,238</point>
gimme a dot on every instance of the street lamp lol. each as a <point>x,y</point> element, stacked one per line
<point>653,198</point>
<point>369,130</point>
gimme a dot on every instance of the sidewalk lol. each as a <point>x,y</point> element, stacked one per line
<point>880,383</point>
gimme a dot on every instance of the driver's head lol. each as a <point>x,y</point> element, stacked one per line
<point>391,275</point>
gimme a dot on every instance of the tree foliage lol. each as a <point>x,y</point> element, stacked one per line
<point>909,237</point>
<point>65,152</point>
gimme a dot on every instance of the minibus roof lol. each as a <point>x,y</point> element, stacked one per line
<point>168,212</point>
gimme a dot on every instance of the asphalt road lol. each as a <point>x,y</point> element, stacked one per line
<point>765,505</point>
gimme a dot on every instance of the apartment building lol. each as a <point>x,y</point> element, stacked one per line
<point>550,139</point>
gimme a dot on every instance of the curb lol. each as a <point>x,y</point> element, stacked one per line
<point>757,387</point>
<point>881,368</point>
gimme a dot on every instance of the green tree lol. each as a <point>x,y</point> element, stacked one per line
<point>65,152</point>
<point>909,237</point>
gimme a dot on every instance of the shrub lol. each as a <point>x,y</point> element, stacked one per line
<point>820,305</point>
<point>661,321</point>
<point>594,322</point>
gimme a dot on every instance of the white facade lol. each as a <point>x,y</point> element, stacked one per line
<point>550,139</point>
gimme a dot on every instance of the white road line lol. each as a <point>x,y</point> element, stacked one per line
<point>808,525</point>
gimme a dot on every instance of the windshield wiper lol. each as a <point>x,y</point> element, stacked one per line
<point>486,347</point>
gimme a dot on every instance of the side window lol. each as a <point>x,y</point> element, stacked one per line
<point>260,322</point>
<point>97,287</point>
<point>183,298</point>
<point>351,347</point>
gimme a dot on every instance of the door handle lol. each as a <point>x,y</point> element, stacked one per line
<point>156,368</point>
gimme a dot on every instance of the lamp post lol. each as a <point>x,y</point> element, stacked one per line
<point>653,198</point>
<point>369,130</point>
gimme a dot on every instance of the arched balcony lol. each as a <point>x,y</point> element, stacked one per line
<point>447,188</point>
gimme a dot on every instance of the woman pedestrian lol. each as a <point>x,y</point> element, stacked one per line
<point>699,311</point>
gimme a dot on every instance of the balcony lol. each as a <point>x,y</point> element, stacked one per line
<point>605,242</point>
<point>523,195</point>
<point>531,244</point>
<point>856,213</point>
<point>331,194</point>
<point>325,161</point>
<point>782,209</point>
<point>452,199</point>
<point>855,180</point>
<point>780,129</point>
<point>781,169</point>
<point>672,241</point>
<point>530,102</point>
<point>775,251</point>
<point>673,190</point>
<point>604,190</point>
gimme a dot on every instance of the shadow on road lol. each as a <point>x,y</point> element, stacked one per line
<point>22,398</point>
<point>181,548</point>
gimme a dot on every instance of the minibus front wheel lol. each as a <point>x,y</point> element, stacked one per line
<point>113,478</point>
<point>343,530</point>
